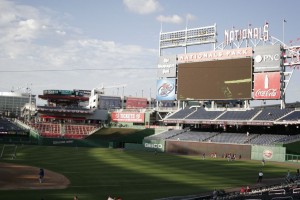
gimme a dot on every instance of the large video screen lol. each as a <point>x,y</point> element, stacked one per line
<point>215,80</point>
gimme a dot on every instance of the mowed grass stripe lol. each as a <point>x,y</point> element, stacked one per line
<point>95,173</point>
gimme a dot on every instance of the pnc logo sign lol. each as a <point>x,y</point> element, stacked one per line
<point>266,58</point>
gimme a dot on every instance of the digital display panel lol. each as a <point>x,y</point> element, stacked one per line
<point>215,80</point>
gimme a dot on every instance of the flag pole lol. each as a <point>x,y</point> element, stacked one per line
<point>283,30</point>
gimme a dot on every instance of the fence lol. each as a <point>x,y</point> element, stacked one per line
<point>292,158</point>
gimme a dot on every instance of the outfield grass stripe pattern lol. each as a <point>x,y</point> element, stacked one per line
<point>96,173</point>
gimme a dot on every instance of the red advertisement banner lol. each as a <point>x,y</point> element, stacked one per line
<point>128,117</point>
<point>267,85</point>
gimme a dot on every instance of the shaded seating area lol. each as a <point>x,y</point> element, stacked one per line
<point>237,138</point>
<point>271,114</point>
<point>6,125</point>
<point>165,135</point>
<point>194,136</point>
<point>267,139</point>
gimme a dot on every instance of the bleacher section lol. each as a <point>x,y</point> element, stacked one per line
<point>47,129</point>
<point>253,116</point>
<point>181,114</point>
<point>78,131</point>
<point>238,115</point>
<point>267,139</point>
<point>201,113</point>
<point>7,126</point>
<point>193,136</point>
<point>271,114</point>
<point>224,137</point>
<point>237,138</point>
<point>55,130</point>
<point>294,116</point>
<point>165,135</point>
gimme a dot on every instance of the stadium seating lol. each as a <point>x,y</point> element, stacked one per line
<point>193,136</point>
<point>238,115</point>
<point>55,130</point>
<point>267,139</point>
<point>6,125</point>
<point>181,114</point>
<point>164,135</point>
<point>294,116</point>
<point>237,138</point>
<point>201,113</point>
<point>271,114</point>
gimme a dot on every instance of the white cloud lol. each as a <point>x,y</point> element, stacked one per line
<point>31,40</point>
<point>143,6</point>
<point>190,17</point>
<point>174,19</point>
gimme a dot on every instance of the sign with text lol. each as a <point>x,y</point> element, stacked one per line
<point>267,85</point>
<point>167,66</point>
<point>267,58</point>
<point>215,55</point>
<point>128,117</point>
<point>257,33</point>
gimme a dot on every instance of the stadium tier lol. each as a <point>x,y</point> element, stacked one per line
<point>269,115</point>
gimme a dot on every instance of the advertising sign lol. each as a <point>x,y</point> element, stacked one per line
<point>165,89</point>
<point>267,85</point>
<point>167,66</point>
<point>215,55</point>
<point>132,102</point>
<point>128,117</point>
<point>267,58</point>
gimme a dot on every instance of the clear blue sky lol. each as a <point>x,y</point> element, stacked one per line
<point>112,36</point>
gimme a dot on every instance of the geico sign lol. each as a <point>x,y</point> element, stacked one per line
<point>154,146</point>
<point>266,58</point>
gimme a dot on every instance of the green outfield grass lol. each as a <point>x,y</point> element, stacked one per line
<point>96,173</point>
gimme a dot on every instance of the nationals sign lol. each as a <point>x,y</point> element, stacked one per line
<point>128,117</point>
<point>267,85</point>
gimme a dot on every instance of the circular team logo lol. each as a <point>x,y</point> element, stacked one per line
<point>267,154</point>
<point>165,89</point>
<point>258,58</point>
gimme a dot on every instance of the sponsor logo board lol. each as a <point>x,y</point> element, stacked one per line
<point>267,85</point>
<point>165,89</point>
<point>267,58</point>
<point>128,117</point>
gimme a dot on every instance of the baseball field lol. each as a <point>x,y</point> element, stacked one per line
<point>96,173</point>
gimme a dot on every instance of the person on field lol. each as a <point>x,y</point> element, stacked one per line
<point>260,177</point>
<point>263,162</point>
<point>41,175</point>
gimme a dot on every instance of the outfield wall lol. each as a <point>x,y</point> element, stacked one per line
<point>198,148</point>
<point>271,153</point>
